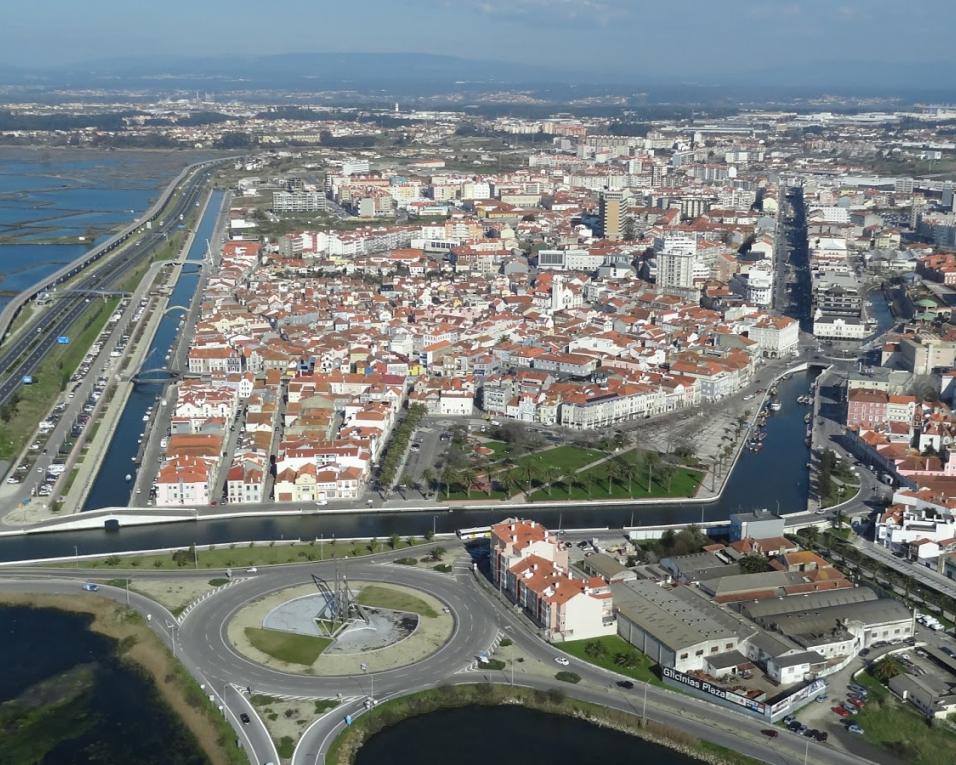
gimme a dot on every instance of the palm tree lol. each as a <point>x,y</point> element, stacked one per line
<point>614,473</point>
<point>444,479</point>
<point>532,473</point>
<point>652,459</point>
<point>468,477</point>
<point>428,479</point>
<point>393,540</point>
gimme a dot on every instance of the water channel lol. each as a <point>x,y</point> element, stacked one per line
<point>775,474</point>
<point>110,489</point>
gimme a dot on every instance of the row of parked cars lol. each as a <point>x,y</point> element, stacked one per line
<point>855,701</point>
<point>792,724</point>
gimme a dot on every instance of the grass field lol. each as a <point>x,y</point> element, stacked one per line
<point>385,597</point>
<point>564,459</point>
<point>236,556</point>
<point>287,646</point>
<point>902,731</point>
<point>18,423</point>
<point>630,481</point>
<point>605,652</point>
<point>500,448</point>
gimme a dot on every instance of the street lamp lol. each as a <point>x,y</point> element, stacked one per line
<point>371,677</point>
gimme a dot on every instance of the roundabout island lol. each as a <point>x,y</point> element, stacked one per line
<point>340,627</point>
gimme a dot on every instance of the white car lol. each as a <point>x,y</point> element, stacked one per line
<point>562,661</point>
<point>252,570</point>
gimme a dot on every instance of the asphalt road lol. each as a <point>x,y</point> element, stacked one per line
<point>24,354</point>
<point>479,617</point>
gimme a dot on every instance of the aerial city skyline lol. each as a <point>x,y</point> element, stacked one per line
<point>581,371</point>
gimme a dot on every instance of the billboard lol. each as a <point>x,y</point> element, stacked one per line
<point>716,691</point>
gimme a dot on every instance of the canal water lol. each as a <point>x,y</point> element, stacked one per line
<point>508,735</point>
<point>94,710</point>
<point>111,489</point>
<point>775,474</point>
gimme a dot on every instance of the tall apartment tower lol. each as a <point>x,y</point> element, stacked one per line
<point>675,264</point>
<point>611,210</point>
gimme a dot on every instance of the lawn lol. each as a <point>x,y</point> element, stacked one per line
<point>385,597</point>
<point>240,557</point>
<point>593,483</point>
<point>563,459</point>
<point>287,646</point>
<point>500,448</point>
<point>604,652</point>
<point>899,729</point>
<point>18,423</point>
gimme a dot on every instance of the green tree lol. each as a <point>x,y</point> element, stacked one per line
<point>652,459</point>
<point>887,669</point>
<point>393,540</point>
<point>754,564</point>
<point>428,479</point>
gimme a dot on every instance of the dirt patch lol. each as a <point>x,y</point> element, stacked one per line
<point>175,594</point>
<point>145,650</point>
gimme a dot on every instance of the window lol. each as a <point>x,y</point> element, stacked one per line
<point>699,653</point>
<point>729,647</point>
<point>683,655</point>
<point>715,649</point>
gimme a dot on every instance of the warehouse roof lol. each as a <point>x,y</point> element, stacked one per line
<point>677,617</point>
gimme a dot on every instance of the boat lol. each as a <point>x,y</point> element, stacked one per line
<point>776,406</point>
<point>145,418</point>
<point>807,417</point>
<point>129,477</point>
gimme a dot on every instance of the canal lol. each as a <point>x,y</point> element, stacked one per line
<point>111,489</point>
<point>776,476</point>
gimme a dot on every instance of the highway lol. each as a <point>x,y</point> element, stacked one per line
<point>23,354</point>
<point>200,642</point>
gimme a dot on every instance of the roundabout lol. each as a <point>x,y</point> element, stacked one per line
<point>444,642</point>
<point>384,626</point>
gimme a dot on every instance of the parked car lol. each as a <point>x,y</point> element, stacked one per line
<point>854,728</point>
<point>840,711</point>
<point>822,735</point>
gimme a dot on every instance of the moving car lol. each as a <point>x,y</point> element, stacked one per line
<point>90,587</point>
<point>627,684</point>
<point>244,718</point>
<point>562,661</point>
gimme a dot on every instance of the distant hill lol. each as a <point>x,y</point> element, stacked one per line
<point>297,69</point>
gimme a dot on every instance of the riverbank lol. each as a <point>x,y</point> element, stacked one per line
<point>346,746</point>
<point>138,645</point>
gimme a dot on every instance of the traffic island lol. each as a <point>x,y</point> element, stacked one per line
<point>301,630</point>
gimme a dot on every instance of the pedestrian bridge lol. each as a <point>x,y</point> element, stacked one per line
<point>161,375</point>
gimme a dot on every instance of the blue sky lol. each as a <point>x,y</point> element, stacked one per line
<point>682,37</point>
